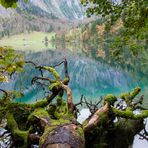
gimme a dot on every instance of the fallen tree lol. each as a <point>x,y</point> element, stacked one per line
<point>51,124</point>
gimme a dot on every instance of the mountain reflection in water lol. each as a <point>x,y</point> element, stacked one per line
<point>90,77</point>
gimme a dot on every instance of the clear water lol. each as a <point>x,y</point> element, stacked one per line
<point>90,77</point>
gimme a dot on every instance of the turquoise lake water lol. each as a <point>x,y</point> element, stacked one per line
<point>90,77</point>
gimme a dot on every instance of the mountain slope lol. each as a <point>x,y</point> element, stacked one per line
<point>40,15</point>
<point>70,9</point>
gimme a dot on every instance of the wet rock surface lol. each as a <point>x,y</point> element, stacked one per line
<point>5,138</point>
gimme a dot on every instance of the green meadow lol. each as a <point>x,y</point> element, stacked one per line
<point>34,41</point>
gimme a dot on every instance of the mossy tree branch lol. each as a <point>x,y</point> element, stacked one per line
<point>128,114</point>
<point>17,134</point>
<point>55,120</point>
<point>96,117</point>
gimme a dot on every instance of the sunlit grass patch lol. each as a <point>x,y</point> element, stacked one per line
<point>34,41</point>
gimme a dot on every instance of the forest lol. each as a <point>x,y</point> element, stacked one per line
<point>73,74</point>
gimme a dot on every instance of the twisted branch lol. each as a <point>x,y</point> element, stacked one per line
<point>5,92</point>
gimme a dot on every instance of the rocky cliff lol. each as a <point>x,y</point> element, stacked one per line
<point>40,15</point>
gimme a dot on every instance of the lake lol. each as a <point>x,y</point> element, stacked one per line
<point>89,77</point>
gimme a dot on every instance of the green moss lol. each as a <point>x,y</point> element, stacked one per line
<point>134,93</point>
<point>103,118</point>
<point>23,135</point>
<point>123,114</point>
<point>85,122</point>
<point>53,71</point>
<point>11,123</point>
<point>41,103</point>
<point>50,128</point>
<point>59,100</point>
<point>66,80</point>
<point>62,110</point>
<point>143,114</point>
<point>111,99</point>
<point>47,131</point>
<point>128,97</point>
<point>59,109</point>
<point>55,86</point>
<point>80,133</point>
<point>124,95</point>
<point>40,113</point>
<point>13,127</point>
<point>51,109</point>
<point>60,122</point>
<point>128,114</point>
<point>3,112</point>
<point>20,113</point>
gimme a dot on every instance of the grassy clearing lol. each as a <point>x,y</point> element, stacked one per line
<point>34,41</point>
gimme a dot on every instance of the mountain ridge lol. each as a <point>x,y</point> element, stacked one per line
<point>40,15</point>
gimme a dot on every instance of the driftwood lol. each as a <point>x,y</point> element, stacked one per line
<point>51,125</point>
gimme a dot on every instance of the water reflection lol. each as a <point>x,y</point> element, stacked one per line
<point>89,76</point>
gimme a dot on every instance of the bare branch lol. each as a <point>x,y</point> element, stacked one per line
<point>5,92</point>
<point>36,66</point>
<point>143,137</point>
<point>65,66</point>
<point>91,106</point>
<point>52,96</point>
<point>41,78</point>
<point>30,62</point>
<point>80,103</point>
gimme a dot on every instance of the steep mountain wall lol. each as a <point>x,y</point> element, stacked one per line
<point>40,15</point>
<point>70,9</point>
